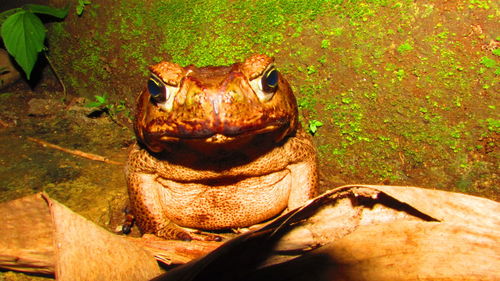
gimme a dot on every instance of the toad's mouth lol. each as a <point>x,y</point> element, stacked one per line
<point>230,148</point>
<point>229,136</point>
<point>215,131</point>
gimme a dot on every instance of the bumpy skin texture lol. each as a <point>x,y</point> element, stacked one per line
<point>219,151</point>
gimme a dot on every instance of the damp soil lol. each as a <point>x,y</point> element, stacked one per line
<point>91,188</point>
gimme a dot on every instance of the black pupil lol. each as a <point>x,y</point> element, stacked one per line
<point>272,78</point>
<point>154,88</point>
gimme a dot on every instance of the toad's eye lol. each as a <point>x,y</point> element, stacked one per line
<point>270,80</point>
<point>266,85</point>
<point>157,89</point>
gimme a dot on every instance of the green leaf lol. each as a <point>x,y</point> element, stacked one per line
<point>81,4</point>
<point>93,104</point>
<point>79,9</point>
<point>23,34</point>
<point>101,99</point>
<point>46,10</point>
<point>496,52</point>
<point>5,14</point>
<point>314,125</point>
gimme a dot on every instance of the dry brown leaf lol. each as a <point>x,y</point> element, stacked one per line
<point>85,251</point>
<point>357,232</point>
<point>72,247</point>
<point>26,237</point>
<point>447,206</point>
<point>403,250</point>
<point>172,252</point>
<point>366,232</point>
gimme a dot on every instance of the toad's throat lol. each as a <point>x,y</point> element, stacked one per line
<point>225,203</point>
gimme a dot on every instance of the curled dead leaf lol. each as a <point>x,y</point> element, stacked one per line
<point>365,232</point>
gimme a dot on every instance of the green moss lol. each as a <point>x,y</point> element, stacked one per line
<point>481,4</point>
<point>489,63</point>
<point>492,124</point>
<point>325,43</point>
<point>400,74</point>
<point>311,69</point>
<point>405,47</point>
<point>443,35</point>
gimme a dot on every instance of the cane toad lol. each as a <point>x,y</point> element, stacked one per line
<point>218,148</point>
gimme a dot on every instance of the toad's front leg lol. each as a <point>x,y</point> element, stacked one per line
<point>149,212</point>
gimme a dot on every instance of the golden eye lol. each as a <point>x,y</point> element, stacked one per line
<point>270,80</point>
<point>266,84</point>
<point>157,89</point>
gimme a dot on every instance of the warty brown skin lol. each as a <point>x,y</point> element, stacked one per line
<point>220,151</point>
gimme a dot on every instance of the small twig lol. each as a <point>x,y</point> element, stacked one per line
<point>75,152</point>
<point>55,73</point>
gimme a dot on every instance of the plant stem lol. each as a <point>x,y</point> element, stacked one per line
<point>55,73</point>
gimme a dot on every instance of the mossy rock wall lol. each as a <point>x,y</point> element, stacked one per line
<point>407,91</point>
